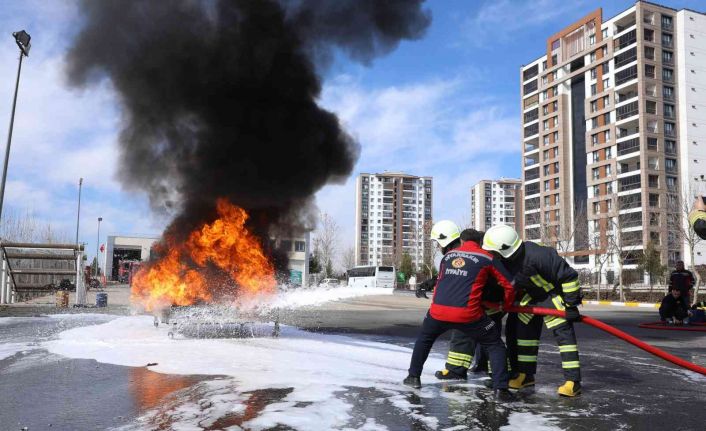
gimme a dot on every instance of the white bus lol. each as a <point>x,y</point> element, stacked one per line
<point>371,276</point>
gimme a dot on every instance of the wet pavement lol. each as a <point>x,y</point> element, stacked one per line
<point>624,387</point>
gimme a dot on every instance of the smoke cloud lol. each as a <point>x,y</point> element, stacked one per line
<point>219,97</point>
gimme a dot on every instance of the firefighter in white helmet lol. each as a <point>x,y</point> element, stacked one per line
<point>456,304</point>
<point>544,279</point>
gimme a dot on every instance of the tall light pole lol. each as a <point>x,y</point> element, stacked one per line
<point>78,212</point>
<point>22,39</point>
<point>98,240</point>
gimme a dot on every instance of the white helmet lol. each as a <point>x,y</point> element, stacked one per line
<point>503,239</point>
<point>445,232</point>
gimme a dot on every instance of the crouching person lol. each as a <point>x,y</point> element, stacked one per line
<point>456,304</point>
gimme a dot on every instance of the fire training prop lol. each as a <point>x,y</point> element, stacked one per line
<point>615,332</point>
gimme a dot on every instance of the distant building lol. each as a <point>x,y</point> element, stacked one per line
<point>393,216</point>
<point>298,252</point>
<point>612,134</point>
<point>126,248</point>
<point>496,202</point>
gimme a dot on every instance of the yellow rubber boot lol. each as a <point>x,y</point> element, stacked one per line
<point>521,381</point>
<point>569,389</point>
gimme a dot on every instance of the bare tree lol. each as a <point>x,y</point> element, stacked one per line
<point>680,230</point>
<point>348,258</point>
<point>23,226</point>
<point>326,241</point>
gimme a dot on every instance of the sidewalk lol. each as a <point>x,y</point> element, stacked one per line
<point>623,304</point>
<point>117,295</point>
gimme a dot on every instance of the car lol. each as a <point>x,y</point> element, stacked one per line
<point>330,282</point>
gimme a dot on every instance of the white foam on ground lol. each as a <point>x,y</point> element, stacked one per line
<point>527,421</point>
<point>11,349</point>
<point>315,365</point>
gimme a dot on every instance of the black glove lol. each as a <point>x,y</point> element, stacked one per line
<point>420,293</point>
<point>427,285</point>
<point>572,314</point>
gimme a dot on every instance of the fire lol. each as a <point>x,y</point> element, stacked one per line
<point>181,276</point>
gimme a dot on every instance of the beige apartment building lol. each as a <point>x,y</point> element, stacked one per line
<point>496,202</point>
<point>393,216</point>
<point>613,120</point>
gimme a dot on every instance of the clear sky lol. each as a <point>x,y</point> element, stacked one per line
<point>445,106</point>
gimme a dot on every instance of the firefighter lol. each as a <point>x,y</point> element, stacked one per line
<point>545,280</point>
<point>697,217</point>
<point>463,272</point>
<point>463,350</point>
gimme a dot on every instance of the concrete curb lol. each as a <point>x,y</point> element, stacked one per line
<point>623,304</point>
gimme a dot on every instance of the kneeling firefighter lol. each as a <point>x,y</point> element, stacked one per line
<point>544,279</point>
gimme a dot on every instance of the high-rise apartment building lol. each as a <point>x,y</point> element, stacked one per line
<point>393,216</point>
<point>496,202</point>
<point>611,116</point>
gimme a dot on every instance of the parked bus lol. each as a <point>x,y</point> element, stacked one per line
<point>371,276</point>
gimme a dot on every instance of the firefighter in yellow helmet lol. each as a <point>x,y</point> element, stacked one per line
<point>544,279</point>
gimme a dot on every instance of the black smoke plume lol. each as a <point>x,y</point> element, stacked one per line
<point>219,97</point>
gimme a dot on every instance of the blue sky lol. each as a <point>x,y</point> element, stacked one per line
<point>445,106</point>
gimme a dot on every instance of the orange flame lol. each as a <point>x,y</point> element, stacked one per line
<point>180,277</point>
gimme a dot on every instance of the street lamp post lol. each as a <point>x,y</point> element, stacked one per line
<point>98,240</point>
<point>22,39</point>
<point>78,212</point>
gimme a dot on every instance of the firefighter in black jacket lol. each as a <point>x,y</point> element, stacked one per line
<point>674,308</point>
<point>697,217</point>
<point>544,279</point>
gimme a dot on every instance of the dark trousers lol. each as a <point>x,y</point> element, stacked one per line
<point>529,330</point>
<point>484,331</point>
<point>675,312</point>
<point>463,350</point>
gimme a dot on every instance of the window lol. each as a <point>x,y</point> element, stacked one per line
<point>670,165</point>
<point>593,89</point>
<point>652,144</point>
<point>606,83</point>
<point>554,60</point>
<point>671,183</point>
<point>654,200</point>
<point>595,172</point>
<point>668,92</point>
<point>667,74</point>
<point>594,139</point>
<point>667,57</point>
<point>544,65</point>
<point>593,73</point>
<point>546,154</point>
<point>545,109</point>
<point>545,124</point>
<point>546,186</point>
<point>649,71</point>
<point>546,170</point>
<point>592,39</point>
<point>606,101</point>
<point>604,50</point>
<point>546,140</point>
<point>654,219</point>
<point>606,118</point>
<point>596,190</point>
<point>544,80</point>
<point>605,33</point>
<point>556,183</point>
<point>556,44</point>
<point>653,181</point>
<point>299,246</point>
<point>668,110</point>
<point>606,67</point>
<point>670,146</point>
<point>606,136</point>
<point>594,106</point>
<point>669,129</point>
<point>556,151</point>
<point>556,167</point>
<point>666,39</point>
<point>649,53</point>
<point>556,137</point>
<point>594,122</point>
<point>609,188</point>
<point>592,57</point>
<point>596,157</point>
<point>608,153</point>
<point>666,22</point>
<point>596,208</point>
<point>608,170</point>
<point>546,201</point>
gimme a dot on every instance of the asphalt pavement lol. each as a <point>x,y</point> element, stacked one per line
<point>624,387</point>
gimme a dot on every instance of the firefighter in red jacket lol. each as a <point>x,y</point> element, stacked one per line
<point>456,304</point>
<point>543,279</point>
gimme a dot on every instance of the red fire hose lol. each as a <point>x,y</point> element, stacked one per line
<point>615,332</point>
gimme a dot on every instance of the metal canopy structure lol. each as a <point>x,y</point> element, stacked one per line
<point>37,269</point>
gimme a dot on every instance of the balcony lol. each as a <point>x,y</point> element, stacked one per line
<point>629,202</point>
<point>531,160</point>
<point>626,111</point>
<point>629,146</point>
<point>667,26</point>
<point>627,131</point>
<point>531,189</point>
<point>631,165</point>
<point>629,183</point>
<point>625,57</point>
<point>626,75</point>
<point>531,115</point>
<point>530,87</point>
<point>530,73</point>
<point>531,146</point>
<point>531,130</point>
<point>625,40</point>
<point>531,174</point>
